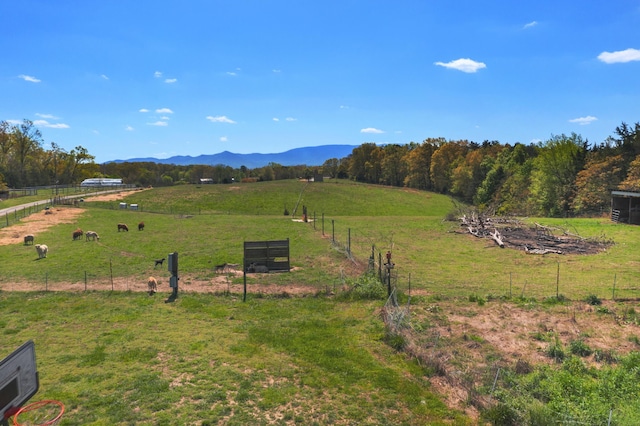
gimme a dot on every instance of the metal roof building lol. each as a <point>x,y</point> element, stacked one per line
<point>625,207</point>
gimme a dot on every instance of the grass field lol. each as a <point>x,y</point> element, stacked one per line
<point>207,225</point>
<point>124,358</point>
<point>127,358</point>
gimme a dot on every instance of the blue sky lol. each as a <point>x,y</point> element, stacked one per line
<point>128,79</point>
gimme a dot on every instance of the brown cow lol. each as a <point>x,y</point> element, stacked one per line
<point>123,227</point>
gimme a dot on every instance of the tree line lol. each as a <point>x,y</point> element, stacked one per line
<point>562,176</point>
<point>25,162</point>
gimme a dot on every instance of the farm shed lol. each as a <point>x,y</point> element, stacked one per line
<point>625,207</point>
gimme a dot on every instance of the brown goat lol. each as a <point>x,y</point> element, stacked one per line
<point>152,283</point>
<point>77,234</point>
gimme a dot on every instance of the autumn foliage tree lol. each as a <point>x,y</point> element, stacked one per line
<point>595,182</point>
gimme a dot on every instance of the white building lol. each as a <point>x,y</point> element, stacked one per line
<point>101,182</point>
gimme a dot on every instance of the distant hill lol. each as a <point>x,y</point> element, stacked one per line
<point>310,156</point>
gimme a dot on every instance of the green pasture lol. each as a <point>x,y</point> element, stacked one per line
<point>333,198</point>
<point>208,224</point>
<point>126,358</point>
<point>123,357</point>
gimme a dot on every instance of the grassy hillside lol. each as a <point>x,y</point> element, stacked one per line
<point>333,198</point>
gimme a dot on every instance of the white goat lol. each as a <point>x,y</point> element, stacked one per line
<point>42,250</point>
<point>92,235</point>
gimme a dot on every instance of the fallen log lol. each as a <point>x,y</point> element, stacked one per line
<point>495,236</point>
<point>541,251</point>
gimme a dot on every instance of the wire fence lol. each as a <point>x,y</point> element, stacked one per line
<point>63,195</point>
<point>364,246</point>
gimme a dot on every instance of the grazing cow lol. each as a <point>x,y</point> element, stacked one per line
<point>141,226</point>
<point>123,227</point>
<point>28,239</point>
<point>92,235</point>
<point>77,234</point>
<point>152,283</point>
<point>221,268</point>
<point>158,262</point>
<point>42,250</point>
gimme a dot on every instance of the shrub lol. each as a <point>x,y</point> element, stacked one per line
<point>605,355</point>
<point>477,299</point>
<point>594,300</point>
<point>395,340</point>
<point>580,348</point>
<point>367,287</point>
<point>501,414</point>
<point>555,351</point>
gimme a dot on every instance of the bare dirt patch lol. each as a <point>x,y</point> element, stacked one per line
<point>38,222</point>
<point>468,342</point>
<point>41,221</point>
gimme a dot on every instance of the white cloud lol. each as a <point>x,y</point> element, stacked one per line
<point>164,117</point>
<point>143,110</point>
<point>464,64</point>
<point>45,123</point>
<point>231,73</point>
<point>627,55</point>
<point>530,24</point>
<point>129,129</point>
<point>344,107</point>
<point>46,116</point>
<point>170,80</point>
<point>371,130</point>
<point>276,71</point>
<point>164,111</point>
<point>223,139</point>
<point>14,122</point>
<point>275,119</point>
<point>220,119</point>
<point>159,124</point>
<point>29,78</point>
<point>583,121</point>
<point>157,74</point>
<point>291,119</point>
<point>104,76</point>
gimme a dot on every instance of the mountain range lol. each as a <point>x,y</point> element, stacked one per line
<point>309,156</point>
